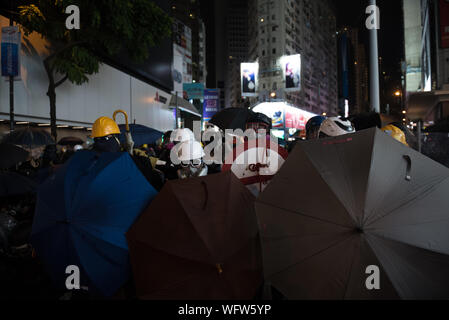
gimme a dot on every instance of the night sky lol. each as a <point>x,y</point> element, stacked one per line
<point>390,37</point>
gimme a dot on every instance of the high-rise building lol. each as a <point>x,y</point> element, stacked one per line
<point>426,33</point>
<point>236,48</point>
<point>227,47</point>
<point>288,27</point>
<point>353,84</point>
<point>190,34</point>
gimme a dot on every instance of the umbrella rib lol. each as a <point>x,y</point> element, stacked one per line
<point>143,243</point>
<point>350,274</point>
<point>409,202</point>
<point>312,256</point>
<point>305,215</point>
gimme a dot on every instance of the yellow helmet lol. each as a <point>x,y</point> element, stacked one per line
<point>395,133</point>
<point>104,127</point>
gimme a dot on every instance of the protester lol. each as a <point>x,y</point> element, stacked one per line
<point>396,133</point>
<point>105,133</point>
<point>313,127</point>
<point>191,155</point>
<point>335,126</point>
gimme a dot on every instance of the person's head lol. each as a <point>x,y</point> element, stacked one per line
<point>105,133</point>
<point>335,126</point>
<point>191,155</point>
<point>313,127</point>
<point>182,135</point>
<point>77,148</point>
<point>259,121</point>
<point>50,153</point>
<point>396,133</point>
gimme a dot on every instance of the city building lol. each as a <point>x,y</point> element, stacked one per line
<point>305,27</point>
<point>189,57</point>
<point>426,33</point>
<point>190,34</point>
<point>142,90</point>
<point>236,49</point>
<point>227,47</point>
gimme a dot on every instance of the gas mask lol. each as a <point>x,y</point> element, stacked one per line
<point>191,169</point>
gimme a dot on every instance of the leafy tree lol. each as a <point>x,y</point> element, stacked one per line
<point>106,27</point>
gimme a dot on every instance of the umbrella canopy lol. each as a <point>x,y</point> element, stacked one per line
<point>198,240</point>
<point>82,215</point>
<point>341,205</point>
<point>232,118</point>
<point>29,138</point>
<point>141,134</point>
<point>10,155</point>
<point>70,141</point>
<point>14,184</point>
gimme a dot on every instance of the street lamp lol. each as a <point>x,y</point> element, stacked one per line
<point>397,93</point>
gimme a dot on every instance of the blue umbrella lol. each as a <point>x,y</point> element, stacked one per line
<point>83,212</point>
<point>141,134</point>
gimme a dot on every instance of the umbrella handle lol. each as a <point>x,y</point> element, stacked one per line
<point>207,194</point>
<point>126,118</point>
<point>408,176</point>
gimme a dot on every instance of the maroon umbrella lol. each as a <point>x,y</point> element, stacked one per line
<point>198,240</point>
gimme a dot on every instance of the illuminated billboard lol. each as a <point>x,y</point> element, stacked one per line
<point>249,74</point>
<point>284,115</point>
<point>292,72</point>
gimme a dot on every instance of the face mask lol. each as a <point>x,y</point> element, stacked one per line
<point>107,144</point>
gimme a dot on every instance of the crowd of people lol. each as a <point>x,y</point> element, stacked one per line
<point>153,160</point>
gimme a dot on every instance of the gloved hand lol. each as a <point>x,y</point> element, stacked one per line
<point>129,143</point>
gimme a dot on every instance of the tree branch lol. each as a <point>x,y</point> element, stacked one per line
<point>57,84</point>
<point>66,47</point>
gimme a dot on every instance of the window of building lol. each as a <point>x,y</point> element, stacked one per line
<point>274,50</point>
<point>274,40</point>
<point>263,52</point>
<point>273,17</point>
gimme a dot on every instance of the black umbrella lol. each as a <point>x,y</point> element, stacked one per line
<point>441,126</point>
<point>232,118</point>
<point>29,138</point>
<point>70,141</point>
<point>14,184</point>
<point>346,208</point>
<point>435,145</point>
<point>10,155</point>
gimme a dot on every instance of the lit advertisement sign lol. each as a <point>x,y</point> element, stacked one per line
<point>292,72</point>
<point>193,91</point>
<point>249,79</point>
<point>281,113</point>
<point>10,51</point>
<point>211,104</point>
<point>444,23</point>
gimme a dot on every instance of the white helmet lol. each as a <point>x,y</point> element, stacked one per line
<point>77,148</point>
<point>190,150</point>
<point>335,126</point>
<point>181,135</point>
